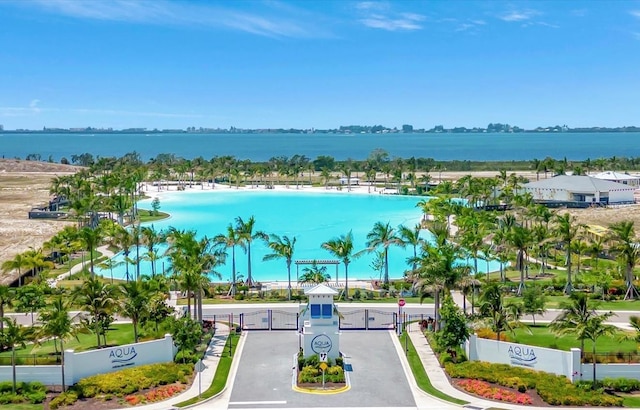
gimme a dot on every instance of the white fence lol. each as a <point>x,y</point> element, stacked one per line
<point>84,364</point>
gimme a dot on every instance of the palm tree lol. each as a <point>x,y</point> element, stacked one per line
<point>124,240</point>
<point>56,323</point>
<point>246,236</point>
<point>315,274</point>
<point>15,335</point>
<point>17,263</point>
<point>383,235</point>
<point>519,238</point>
<point>151,239</point>
<point>134,303</point>
<point>7,296</point>
<point>438,269</point>
<point>626,246</point>
<point>574,317</point>
<point>91,238</point>
<point>342,248</point>
<point>99,300</point>
<point>282,248</point>
<point>502,317</point>
<point>230,240</point>
<point>595,328</point>
<point>411,237</point>
<point>567,230</point>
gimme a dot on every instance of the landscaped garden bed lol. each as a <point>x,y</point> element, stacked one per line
<point>144,384</point>
<point>310,374</point>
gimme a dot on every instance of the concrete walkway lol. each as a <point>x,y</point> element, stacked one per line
<point>441,382</point>
<point>203,380</point>
<point>104,250</point>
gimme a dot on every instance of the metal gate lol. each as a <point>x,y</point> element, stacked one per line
<point>354,320</point>
<point>380,320</point>
<point>255,320</point>
<point>281,320</point>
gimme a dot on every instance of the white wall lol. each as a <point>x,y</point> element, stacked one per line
<point>621,196</point>
<point>49,375</point>
<point>85,364</point>
<point>612,370</point>
<point>532,357</point>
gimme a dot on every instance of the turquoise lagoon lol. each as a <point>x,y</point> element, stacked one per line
<point>311,217</point>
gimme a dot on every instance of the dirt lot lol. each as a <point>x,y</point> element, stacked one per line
<point>22,185</point>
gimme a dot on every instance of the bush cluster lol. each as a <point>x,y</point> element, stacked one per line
<point>125,382</point>
<point>33,393</point>
<point>621,384</point>
<point>63,399</point>
<point>553,389</point>
<point>486,333</point>
<point>311,374</point>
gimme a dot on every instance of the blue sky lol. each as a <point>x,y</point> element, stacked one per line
<point>266,64</point>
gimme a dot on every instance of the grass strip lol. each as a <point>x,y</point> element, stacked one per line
<point>222,373</point>
<point>422,379</point>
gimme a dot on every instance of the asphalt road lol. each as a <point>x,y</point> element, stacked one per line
<point>265,373</point>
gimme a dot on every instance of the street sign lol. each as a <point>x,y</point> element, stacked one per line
<point>323,357</point>
<point>200,366</point>
<point>323,366</point>
<point>401,302</point>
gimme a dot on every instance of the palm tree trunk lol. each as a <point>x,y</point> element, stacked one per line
<point>289,279</point>
<point>436,310</point>
<point>249,278</point>
<point>62,364</point>
<point>593,385</point>
<point>386,266</point>
<point>13,366</point>
<point>135,330</point>
<point>346,281</point>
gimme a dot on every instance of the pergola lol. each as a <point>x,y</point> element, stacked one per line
<point>316,262</point>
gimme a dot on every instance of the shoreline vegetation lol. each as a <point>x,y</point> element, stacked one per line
<point>343,129</point>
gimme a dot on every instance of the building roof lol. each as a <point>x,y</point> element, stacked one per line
<point>615,176</point>
<point>578,183</point>
<point>321,289</point>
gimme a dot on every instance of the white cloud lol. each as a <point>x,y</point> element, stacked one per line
<point>519,15</point>
<point>380,16</point>
<point>274,20</point>
<point>635,13</point>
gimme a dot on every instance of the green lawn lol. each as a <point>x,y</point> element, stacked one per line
<point>119,335</point>
<point>422,378</point>
<point>21,406</point>
<point>553,302</point>
<point>540,335</point>
<point>148,216</point>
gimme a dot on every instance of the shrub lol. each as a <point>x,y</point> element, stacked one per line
<point>621,384</point>
<point>553,389</point>
<point>63,399</point>
<point>486,333</point>
<point>129,381</point>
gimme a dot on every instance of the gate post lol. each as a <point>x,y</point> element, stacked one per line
<point>366,319</point>
<point>241,320</point>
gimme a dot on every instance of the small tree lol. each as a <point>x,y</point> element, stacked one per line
<point>155,205</point>
<point>595,328</point>
<point>533,302</point>
<point>15,335</point>
<point>187,333</point>
<point>454,330</point>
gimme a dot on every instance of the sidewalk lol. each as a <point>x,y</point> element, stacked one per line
<point>440,381</point>
<point>210,361</point>
<point>104,250</point>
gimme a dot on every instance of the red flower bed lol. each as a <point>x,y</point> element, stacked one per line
<point>159,394</point>
<point>487,391</point>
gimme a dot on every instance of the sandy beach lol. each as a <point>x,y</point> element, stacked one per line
<point>24,184</point>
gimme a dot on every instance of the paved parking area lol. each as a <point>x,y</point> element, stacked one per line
<point>264,374</point>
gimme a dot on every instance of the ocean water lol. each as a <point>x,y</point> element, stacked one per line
<point>312,217</point>
<point>261,147</point>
